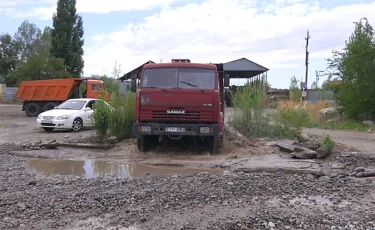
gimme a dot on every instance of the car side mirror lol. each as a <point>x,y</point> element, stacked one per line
<point>133,85</point>
<point>226,80</point>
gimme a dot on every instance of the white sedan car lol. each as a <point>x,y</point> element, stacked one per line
<point>73,114</point>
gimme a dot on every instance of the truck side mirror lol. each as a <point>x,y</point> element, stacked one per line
<point>133,85</point>
<point>226,80</point>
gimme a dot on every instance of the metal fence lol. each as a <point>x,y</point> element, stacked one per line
<point>314,95</point>
<point>7,93</point>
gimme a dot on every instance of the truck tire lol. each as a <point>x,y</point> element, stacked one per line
<point>146,143</point>
<point>49,106</point>
<point>215,143</point>
<point>33,109</point>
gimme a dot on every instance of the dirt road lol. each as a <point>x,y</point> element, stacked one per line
<point>86,189</point>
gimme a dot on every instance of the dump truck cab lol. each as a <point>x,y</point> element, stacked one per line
<point>179,99</point>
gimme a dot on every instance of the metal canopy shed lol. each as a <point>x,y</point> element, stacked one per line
<point>241,68</point>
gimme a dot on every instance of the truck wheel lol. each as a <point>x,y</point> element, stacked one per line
<point>33,109</point>
<point>49,106</point>
<point>215,144</point>
<point>146,143</point>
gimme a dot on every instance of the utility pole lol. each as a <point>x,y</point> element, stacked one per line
<point>307,57</point>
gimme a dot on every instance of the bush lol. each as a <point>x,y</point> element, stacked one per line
<point>117,121</point>
<point>327,144</point>
<point>101,118</point>
<point>290,121</point>
<point>122,116</point>
<point>249,117</point>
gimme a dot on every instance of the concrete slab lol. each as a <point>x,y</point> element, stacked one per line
<point>274,163</point>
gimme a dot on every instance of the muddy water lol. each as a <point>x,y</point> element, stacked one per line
<point>91,168</point>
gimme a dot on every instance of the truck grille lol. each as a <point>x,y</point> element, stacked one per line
<point>189,115</point>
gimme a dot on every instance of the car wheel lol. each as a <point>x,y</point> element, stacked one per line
<point>48,129</point>
<point>77,125</point>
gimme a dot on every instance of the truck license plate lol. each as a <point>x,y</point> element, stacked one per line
<point>47,121</point>
<point>174,130</point>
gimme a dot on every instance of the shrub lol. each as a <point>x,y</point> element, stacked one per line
<point>249,117</point>
<point>122,116</point>
<point>290,121</point>
<point>101,118</point>
<point>327,144</point>
<point>116,121</point>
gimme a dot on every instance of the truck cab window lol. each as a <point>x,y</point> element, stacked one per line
<point>172,77</point>
<point>96,87</point>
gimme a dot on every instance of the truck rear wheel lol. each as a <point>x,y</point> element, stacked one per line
<point>49,106</point>
<point>146,143</point>
<point>215,143</point>
<point>33,109</point>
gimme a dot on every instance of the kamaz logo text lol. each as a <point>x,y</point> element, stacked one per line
<point>175,112</point>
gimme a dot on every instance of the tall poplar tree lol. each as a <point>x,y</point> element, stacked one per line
<point>67,36</point>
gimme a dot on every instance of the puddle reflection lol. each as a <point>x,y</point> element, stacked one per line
<point>93,168</point>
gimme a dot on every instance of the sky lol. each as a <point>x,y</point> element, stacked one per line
<point>268,32</point>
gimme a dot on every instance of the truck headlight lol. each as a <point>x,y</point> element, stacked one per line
<point>145,99</point>
<point>204,130</point>
<point>146,129</point>
<point>64,117</point>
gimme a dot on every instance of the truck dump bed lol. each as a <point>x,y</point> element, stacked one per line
<point>47,90</point>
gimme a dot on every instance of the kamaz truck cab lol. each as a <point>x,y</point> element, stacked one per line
<point>180,99</point>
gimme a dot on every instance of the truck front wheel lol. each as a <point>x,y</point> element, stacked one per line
<point>146,143</point>
<point>33,109</point>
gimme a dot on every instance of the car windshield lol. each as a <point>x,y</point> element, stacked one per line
<point>181,78</point>
<point>72,104</point>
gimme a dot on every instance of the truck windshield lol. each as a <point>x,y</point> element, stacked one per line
<point>72,104</point>
<point>170,78</point>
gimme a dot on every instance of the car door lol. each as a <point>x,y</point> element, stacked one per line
<point>89,113</point>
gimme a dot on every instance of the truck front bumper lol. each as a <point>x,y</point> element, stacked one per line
<point>176,129</point>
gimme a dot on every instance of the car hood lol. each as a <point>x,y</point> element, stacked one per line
<point>59,112</point>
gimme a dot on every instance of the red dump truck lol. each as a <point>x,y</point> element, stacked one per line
<point>180,99</point>
<point>43,95</point>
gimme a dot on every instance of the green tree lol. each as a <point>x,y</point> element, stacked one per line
<point>67,36</point>
<point>8,56</point>
<point>355,67</point>
<point>26,37</point>
<point>41,65</point>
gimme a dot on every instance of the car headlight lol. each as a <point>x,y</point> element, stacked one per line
<point>64,117</point>
<point>39,116</point>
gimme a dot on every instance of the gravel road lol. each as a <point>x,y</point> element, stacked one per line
<point>196,201</point>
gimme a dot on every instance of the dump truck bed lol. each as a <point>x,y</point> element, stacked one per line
<point>47,90</point>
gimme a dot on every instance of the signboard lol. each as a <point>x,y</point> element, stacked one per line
<point>304,93</point>
<point>304,87</point>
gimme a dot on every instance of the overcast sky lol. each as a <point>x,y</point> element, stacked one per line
<point>268,32</point>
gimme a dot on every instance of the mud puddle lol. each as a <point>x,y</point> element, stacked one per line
<point>91,168</point>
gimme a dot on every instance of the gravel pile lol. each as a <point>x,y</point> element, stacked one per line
<point>201,201</point>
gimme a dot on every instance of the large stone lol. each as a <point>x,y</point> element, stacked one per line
<point>303,137</point>
<point>370,123</point>
<point>305,154</point>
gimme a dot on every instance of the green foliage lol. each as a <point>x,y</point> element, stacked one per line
<point>327,144</point>
<point>39,66</point>
<point>249,117</point>
<point>122,116</point>
<point>295,89</point>
<point>8,55</point>
<point>116,121</point>
<point>355,67</point>
<point>101,119</point>
<point>67,36</point>
<point>290,121</point>
<point>26,37</point>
